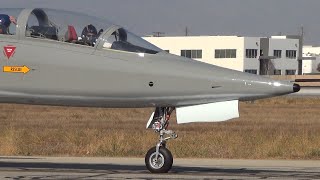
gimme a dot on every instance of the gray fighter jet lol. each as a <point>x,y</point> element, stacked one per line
<point>53,57</point>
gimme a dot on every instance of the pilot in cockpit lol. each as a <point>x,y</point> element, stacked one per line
<point>90,35</point>
<point>5,22</point>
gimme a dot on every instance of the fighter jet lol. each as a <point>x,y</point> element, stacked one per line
<point>53,57</point>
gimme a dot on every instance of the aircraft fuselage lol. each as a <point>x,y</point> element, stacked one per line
<point>75,75</point>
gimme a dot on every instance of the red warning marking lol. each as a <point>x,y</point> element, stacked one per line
<point>9,51</point>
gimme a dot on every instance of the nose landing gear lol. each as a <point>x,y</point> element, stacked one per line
<point>159,159</point>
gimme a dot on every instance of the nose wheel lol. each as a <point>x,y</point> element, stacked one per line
<point>160,163</point>
<point>159,159</point>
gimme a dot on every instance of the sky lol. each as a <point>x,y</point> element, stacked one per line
<point>202,17</point>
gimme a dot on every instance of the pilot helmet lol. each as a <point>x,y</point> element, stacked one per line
<point>4,23</point>
<point>89,35</point>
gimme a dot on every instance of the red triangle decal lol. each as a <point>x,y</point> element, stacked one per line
<point>9,51</point>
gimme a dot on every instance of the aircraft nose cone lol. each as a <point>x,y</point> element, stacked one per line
<point>296,88</point>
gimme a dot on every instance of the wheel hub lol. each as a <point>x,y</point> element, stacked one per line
<point>155,162</point>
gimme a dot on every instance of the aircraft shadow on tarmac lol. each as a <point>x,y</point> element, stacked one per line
<point>134,169</point>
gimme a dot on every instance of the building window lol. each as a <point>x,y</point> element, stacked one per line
<point>251,71</point>
<point>291,54</point>
<point>225,53</point>
<point>195,54</point>
<point>251,53</point>
<point>168,51</point>
<point>277,53</point>
<point>290,72</point>
<point>188,53</point>
<point>277,72</point>
<point>183,53</point>
<point>220,53</point>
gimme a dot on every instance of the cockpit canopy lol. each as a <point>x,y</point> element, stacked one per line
<point>79,29</point>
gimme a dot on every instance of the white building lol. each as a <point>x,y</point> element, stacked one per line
<point>311,64</point>
<point>286,55</point>
<point>276,55</point>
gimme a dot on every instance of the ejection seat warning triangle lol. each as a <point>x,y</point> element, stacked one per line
<point>9,51</point>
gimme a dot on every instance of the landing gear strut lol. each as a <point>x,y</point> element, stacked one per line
<point>159,159</point>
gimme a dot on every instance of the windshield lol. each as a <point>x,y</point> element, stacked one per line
<point>85,30</point>
<point>121,39</point>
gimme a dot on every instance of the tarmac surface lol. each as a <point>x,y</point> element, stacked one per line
<point>133,168</point>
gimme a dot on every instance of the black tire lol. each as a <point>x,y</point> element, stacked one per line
<point>165,160</point>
